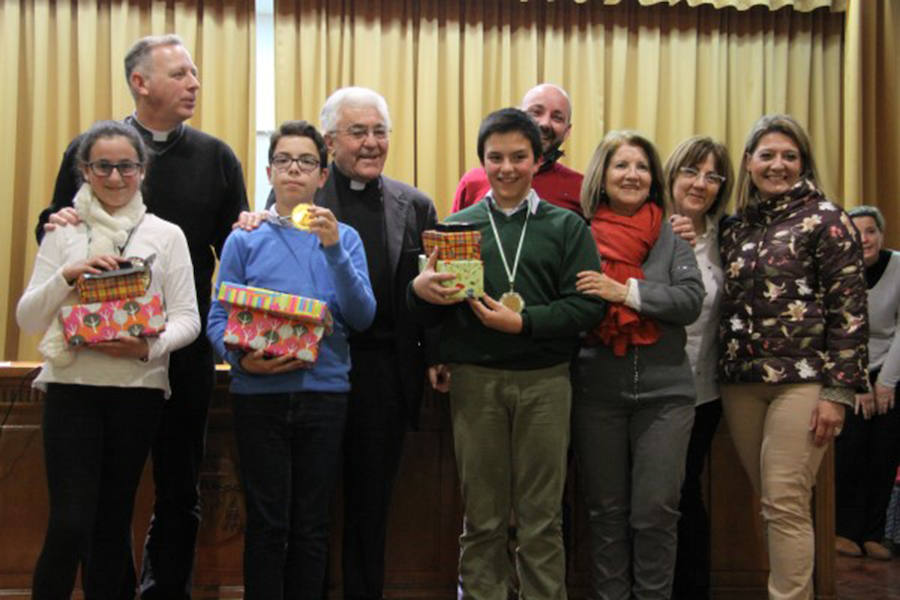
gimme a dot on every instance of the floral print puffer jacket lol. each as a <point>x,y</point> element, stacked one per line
<point>794,295</point>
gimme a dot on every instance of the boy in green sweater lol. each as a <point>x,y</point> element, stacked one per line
<point>505,361</point>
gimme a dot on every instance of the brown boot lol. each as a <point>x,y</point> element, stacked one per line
<point>847,547</point>
<point>876,551</point>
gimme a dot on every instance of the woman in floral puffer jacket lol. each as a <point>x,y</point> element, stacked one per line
<point>793,333</point>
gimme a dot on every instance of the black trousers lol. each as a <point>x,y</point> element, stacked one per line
<point>96,441</point>
<point>289,447</point>
<point>177,454</point>
<point>866,456</point>
<point>373,445</point>
<point>692,563</point>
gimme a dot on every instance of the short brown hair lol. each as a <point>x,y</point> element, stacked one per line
<point>690,153</point>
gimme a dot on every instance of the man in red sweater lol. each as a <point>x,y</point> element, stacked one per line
<point>551,108</point>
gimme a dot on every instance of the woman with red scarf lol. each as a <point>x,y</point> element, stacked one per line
<point>633,386</point>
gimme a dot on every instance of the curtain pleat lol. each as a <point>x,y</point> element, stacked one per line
<point>61,69</point>
<point>667,71</point>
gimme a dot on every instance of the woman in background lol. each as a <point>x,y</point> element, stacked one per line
<point>793,334</point>
<point>104,401</point>
<point>699,179</point>
<point>633,388</point>
<point>867,452</point>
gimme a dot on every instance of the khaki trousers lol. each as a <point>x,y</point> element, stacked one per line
<point>511,435</point>
<point>770,428</point>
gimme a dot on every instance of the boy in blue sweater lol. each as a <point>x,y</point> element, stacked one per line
<point>289,420</point>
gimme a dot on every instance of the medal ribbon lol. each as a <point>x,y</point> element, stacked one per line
<point>511,275</point>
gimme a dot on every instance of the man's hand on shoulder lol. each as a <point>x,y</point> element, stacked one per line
<point>248,221</point>
<point>62,218</point>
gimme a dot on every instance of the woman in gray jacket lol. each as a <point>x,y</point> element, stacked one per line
<point>633,386</point>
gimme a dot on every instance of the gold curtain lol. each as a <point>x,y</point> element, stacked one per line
<point>871,97</point>
<point>61,69</point>
<point>801,5</point>
<point>668,71</point>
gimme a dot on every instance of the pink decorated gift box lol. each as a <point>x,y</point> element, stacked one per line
<point>94,322</point>
<point>279,324</point>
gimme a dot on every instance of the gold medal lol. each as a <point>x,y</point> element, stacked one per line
<point>513,301</point>
<point>301,216</point>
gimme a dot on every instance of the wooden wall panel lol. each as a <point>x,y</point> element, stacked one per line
<point>425,516</point>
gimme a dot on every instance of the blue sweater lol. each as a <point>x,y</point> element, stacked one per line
<point>338,275</point>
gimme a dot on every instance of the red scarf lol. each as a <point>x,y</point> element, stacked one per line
<point>623,243</point>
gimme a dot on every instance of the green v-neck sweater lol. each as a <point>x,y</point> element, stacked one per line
<point>556,247</point>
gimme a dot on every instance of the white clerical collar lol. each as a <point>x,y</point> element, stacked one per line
<point>357,186</point>
<point>155,134</point>
<point>531,199</point>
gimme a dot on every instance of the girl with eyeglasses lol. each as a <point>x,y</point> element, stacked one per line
<point>103,402</point>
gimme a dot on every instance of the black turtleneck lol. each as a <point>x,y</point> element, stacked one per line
<point>874,273</point>
<point>364,211</point>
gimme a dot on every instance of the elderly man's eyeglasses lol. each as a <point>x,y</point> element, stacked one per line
<point>710,178</point>
<point>104,168</point>
<point>361,132</point>
<point>306,163</point>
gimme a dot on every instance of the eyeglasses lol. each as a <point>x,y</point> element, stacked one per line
<point>305,162</point>
<point>104,168</point>
<point>361,132</point>
<point>710,178</point>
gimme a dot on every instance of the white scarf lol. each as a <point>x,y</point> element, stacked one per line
<point>107,234</point>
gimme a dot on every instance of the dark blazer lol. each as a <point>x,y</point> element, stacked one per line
<point>407,213</point>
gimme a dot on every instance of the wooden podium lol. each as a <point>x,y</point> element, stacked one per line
<point>425,515</point>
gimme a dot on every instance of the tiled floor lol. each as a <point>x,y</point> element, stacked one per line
<point>867,579</point>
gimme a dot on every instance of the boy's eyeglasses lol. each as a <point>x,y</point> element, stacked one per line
<point>306,163</point>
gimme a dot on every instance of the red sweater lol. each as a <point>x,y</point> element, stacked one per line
<point>558,185</point>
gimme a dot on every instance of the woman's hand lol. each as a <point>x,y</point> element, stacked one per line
<point>884,398</point>
<point>428,285</point>
<point>865,404</point>
<point>826,421</point>
<point>683,227</point>
<point>94,265</point>
<point>123,347</point>
<point>324,225</point>
<point>258,364</point>
<point>595,283</point>
<point>494,315</point>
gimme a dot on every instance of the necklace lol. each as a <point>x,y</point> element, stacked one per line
<point>512,299</point>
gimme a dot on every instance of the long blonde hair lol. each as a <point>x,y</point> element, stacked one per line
<point>786,125</point>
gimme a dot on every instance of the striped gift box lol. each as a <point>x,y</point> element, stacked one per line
<point>279,324</point>
<point>453,245</point>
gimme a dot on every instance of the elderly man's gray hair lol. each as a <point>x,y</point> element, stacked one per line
<point>356,97</point>
<point>138,58</point>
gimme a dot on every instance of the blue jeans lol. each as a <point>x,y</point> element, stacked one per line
<point>96,441</point>
<point>289,447</point>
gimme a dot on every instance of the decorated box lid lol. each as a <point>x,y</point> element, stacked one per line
<point>277,303</point>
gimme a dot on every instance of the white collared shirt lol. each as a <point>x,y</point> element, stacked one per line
<point>531,198</point>
<point>702,335</point>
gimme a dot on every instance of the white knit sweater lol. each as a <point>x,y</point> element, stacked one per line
<point>172,276</point>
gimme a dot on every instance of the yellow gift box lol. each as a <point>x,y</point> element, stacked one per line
<point>469,276</point>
